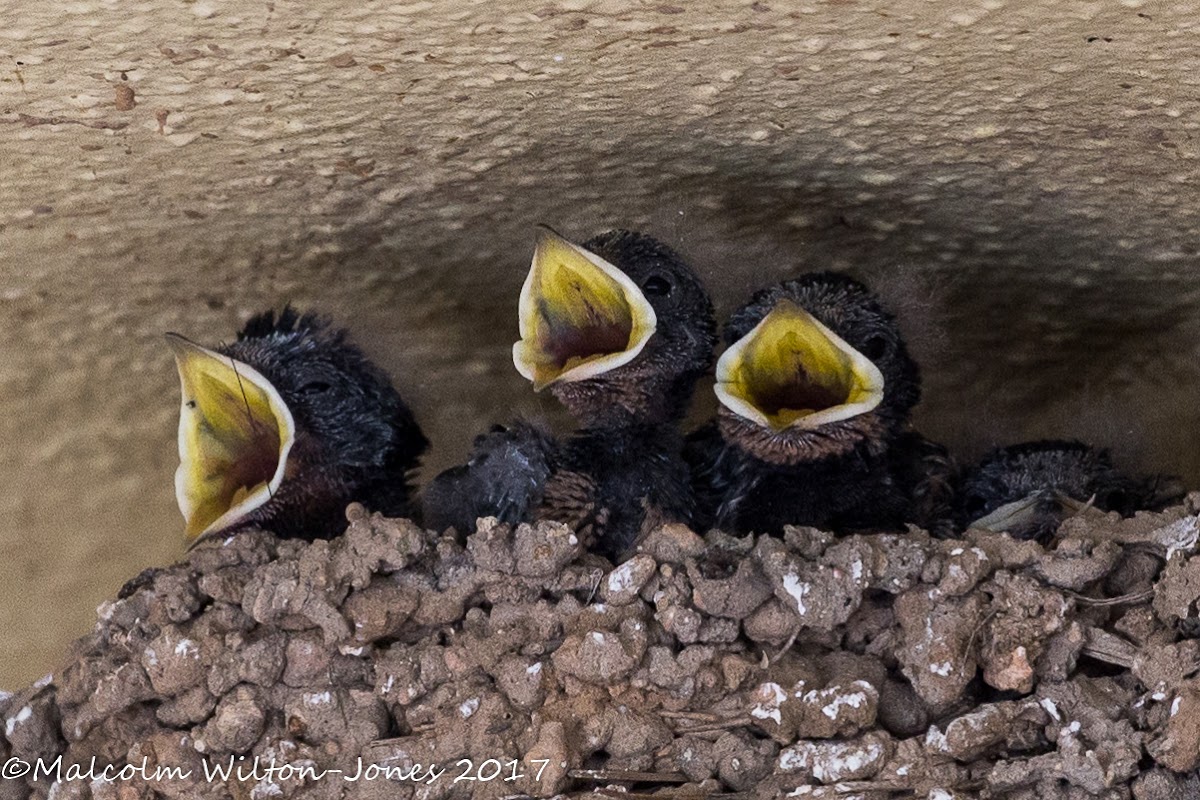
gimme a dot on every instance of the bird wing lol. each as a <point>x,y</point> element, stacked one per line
<point>570,497</point>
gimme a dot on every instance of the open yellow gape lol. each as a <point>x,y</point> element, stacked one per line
<point>579,315</point>
<point>792,372</point>
<point>235,433</point>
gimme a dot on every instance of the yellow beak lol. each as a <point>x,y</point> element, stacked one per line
<point>235,433</point>
<point>579,315</point>
<point>791,371</point>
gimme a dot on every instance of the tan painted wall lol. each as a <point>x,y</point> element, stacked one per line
<point>1021,177</point>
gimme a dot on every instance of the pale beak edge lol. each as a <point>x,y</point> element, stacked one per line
<point>733,391</point>
<point>565,278</point>
<point>229,414</point>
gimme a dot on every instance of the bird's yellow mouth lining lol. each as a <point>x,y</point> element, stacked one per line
<point>579,315</point>
<point>791,371</point>
<point>235,433</point>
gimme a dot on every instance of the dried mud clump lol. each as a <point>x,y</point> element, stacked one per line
<point>515,664</point>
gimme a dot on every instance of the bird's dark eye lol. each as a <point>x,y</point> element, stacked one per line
<point>875,347</point>
<point>657,285</point>
<point>315,387</point>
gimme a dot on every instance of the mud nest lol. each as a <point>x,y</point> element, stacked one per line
<point>876,667</point>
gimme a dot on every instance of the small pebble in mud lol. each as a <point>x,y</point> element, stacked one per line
<point>124,97</point>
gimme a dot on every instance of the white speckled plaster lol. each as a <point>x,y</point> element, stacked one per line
<point>1020,176</point>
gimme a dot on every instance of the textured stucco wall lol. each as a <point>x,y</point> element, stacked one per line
<point>1020,176</point>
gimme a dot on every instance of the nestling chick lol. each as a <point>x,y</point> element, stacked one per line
<point>286,426</point>
<point>1028,489</point>
<point>619,330</point>
<point>816,389</point>
<point>504,478</point>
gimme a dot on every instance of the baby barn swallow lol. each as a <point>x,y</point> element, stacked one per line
<point>619,330</point>
<point>815,393</point>
<point>284,427</point>
<point>504,478</point>
<point>1028,489</point>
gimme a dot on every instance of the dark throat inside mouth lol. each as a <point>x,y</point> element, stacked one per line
<point>598,337</point>
<point>257,466</point>
<point>800,393</point>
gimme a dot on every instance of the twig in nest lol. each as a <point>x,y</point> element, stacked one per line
<point>696,715</point>
<point>1135,597</point>
<point>595,588</point>
<point>714,726</point>
<point>785,648</point>
<point>971,641</point>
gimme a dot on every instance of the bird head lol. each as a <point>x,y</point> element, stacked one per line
<point>618,329</point>
<point>1028,489</point>
<point>815,367</point>
<point>283,427</point>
